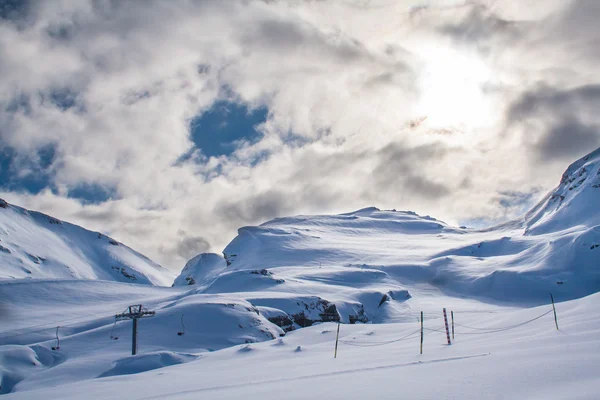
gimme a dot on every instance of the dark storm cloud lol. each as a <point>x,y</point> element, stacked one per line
<point>400,168</point>
<point>190,246</point>
<point>569,139</point>
<point>567,118</point>
<point>258,207</point>
<point>479,26</point>
<point>578,28</point>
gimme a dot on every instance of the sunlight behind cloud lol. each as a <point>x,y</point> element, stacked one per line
<point>452,90</point>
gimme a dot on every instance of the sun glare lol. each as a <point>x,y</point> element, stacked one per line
<point>451,86</point>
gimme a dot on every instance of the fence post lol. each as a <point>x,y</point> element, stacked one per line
<point>421,332</point>
<point>447,330</point>
<point>452,316</point>
<point>337,337</point>
<point>554,308</point>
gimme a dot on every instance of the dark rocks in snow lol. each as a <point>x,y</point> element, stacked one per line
<point>265,272</point>
<point>302,320</point>
<point>52,220</point>
<point>383,300</point>
<point>125,273</point>
<point>3,203</point>
<point>326,311</point>
<point>5,250</point>
<point>262,272</point>
<point>360,316</point>
<point>229,258</point>
<point>284,322</point>
<point>33,258</point>
<point>190,280</point>
<point>113,242</point>
<point>595,246</point>
<point>330,312</point>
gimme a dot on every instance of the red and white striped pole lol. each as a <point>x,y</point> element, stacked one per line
<point>447,330</point>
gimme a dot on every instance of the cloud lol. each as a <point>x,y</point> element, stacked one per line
<point>563,123</point>
<point>113,88</point>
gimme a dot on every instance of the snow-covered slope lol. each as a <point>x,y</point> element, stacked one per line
<point>364,265</point>
<point>575,202</point>
<point>35,245</point>
<point>495,354</point>
<point>200,269</point>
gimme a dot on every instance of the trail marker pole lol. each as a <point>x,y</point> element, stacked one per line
<point>452,317</point>
<point>57,347</point>
<point>554,308</point>
<point>447,330</point>
<point>421,332</point>
<point>134,313</point>
<point>337,338</point>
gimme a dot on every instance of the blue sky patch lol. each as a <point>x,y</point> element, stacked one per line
<point>12,164</point>
<point>91,193</point>
<point>39,178</point>
<point>220,130</point>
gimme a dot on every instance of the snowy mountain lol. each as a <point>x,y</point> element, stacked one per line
<point>230,325</point>
<point>364,265</point>
<point>573,203</point>
<point>35,245</point>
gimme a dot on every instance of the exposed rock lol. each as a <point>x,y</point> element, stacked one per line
<point>383,300</point>
<point>360,316</point>
<point>229,258</point>
<point>190,280</point>
<point>53,220</point>
<point>125,273</point>
<point>302,320</point>
<point>3,203</point>
<point>33,258</point>
<point>284,322</point>
<point>113,242</point>
<point>263,272</point>
<point>5,250</point>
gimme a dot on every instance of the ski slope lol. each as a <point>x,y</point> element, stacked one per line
<point>36,246</point>
<point>532,361</point>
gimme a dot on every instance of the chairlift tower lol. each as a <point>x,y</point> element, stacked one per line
<point>134,313</point>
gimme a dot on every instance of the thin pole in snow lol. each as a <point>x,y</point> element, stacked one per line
<point>554,308</point>
<point>452,316</point>
<point>447,330</point>
<point>421,332</point>
<point>337,338</point>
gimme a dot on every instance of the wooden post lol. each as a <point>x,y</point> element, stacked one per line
<point>447,330</point>
<point>421,332</point>
<point>554,308</point>
<point>337,338</point>
<point>452,316</point>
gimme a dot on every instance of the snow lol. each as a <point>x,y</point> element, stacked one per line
<point>531,361</point>
<point>253,323</point>
<point>35,245</point>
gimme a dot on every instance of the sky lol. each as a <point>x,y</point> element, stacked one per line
<point>170,124</point>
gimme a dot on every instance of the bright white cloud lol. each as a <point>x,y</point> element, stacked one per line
<point>394,104</point>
